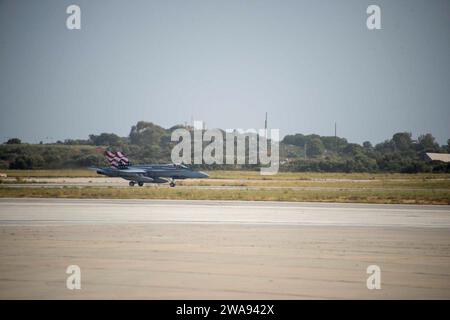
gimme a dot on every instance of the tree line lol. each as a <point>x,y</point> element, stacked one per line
<point>401,153</point>
<point>150,143</point>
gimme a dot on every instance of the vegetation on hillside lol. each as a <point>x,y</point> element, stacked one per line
<point>150,143</point>
<point>399,154</point>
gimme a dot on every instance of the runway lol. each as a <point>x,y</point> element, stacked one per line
<point>107,211</point>
<point>156,249</point>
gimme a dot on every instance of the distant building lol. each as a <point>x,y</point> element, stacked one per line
<point>444,157</point>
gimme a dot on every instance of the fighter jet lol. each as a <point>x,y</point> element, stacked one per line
<point>146,173</point>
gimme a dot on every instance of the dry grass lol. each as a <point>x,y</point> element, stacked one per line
<point>369,184</point>
<point>361,196</point>
<point>330,187</point>
<point>255,175</point>
<point>63,173</point>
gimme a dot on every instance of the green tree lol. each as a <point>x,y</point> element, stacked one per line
<point>353,149</point>
<point>295,140</point>
<point>14,141</point>
<point>402,141</point>
<point>27,162</point>
<point>427,143</point>
<point>105,139</point>
<point>315,147</point>
<point>367,146</point>
<point>146,133</point>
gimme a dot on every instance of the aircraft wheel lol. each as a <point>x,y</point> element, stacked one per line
<point>172,184</point>
<point>140,184</point>
<point>131,183</point>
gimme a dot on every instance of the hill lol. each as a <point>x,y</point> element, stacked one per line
<point>150,143</point>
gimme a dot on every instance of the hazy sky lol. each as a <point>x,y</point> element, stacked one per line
<point>308,63</point>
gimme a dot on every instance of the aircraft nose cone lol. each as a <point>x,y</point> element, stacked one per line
<point>203,175</point>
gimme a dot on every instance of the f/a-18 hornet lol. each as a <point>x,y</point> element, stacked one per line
<point>146,173</point>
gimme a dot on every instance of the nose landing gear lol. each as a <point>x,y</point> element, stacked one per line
<point>172,183</point>
<point>131,183</point>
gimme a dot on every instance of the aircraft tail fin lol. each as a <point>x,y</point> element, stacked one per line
<point>117,159</point>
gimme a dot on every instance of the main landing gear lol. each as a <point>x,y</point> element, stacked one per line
<point>132,183</point>
<point>172,183</point>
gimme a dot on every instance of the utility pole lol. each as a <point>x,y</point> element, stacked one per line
<point>335,136</point>
<point>265,126</point>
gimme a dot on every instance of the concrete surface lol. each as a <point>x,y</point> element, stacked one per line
<point>160,249</point>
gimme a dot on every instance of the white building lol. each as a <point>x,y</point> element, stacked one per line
<point>444,157</point>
